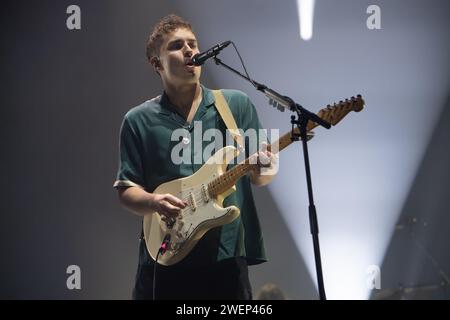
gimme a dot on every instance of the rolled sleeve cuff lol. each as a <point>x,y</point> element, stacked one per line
<point>126,183</point>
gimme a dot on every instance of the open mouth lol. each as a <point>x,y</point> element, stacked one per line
<point>189,63</point>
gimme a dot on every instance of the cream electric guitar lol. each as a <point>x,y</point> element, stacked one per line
<point>205,190</point>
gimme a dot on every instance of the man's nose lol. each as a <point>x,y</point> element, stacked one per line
<point>188,51</point>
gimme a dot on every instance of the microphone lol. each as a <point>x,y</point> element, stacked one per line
<point>200,58</point>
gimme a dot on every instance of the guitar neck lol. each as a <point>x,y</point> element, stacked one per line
<point>332,114</point>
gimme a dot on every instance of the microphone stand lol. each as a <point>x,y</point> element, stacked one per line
<point>303,116</point>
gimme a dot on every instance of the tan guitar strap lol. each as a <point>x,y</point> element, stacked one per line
<point>227,117</point>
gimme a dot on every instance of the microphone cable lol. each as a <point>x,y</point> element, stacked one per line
<point>243,65</point>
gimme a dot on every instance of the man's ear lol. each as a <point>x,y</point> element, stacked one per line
<point>156,63</point>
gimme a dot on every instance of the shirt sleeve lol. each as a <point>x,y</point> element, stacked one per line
<point>130,172</point>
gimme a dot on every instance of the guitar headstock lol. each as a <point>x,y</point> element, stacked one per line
<point>357,103</point>
<point>352,104</point>
<point>334,113</point>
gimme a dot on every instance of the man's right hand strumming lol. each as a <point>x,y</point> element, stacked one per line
<point>167,205</point>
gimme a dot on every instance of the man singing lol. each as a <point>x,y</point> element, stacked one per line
<point>217,267</point>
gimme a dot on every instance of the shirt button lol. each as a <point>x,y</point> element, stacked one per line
<point>185,140</point>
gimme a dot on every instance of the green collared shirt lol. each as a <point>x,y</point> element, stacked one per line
<point>146,146</point>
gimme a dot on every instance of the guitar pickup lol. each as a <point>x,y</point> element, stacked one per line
<point>192,202</point>
<point>205,195</point>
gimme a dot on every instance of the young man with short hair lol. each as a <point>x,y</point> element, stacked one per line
<point>217,267</point>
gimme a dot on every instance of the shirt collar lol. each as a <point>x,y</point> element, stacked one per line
<point>208,97</point>
<point>168,108</point>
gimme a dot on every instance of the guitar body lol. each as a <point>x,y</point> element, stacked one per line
<point>200,215</point>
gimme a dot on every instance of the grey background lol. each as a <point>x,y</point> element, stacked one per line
<point>64,94</point>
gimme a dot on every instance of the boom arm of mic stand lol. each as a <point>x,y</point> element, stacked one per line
<point>282,100</point>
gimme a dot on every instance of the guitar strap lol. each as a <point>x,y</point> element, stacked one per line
<point>227,117</point>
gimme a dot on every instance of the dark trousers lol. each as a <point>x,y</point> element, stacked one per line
<point>224,280</point>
